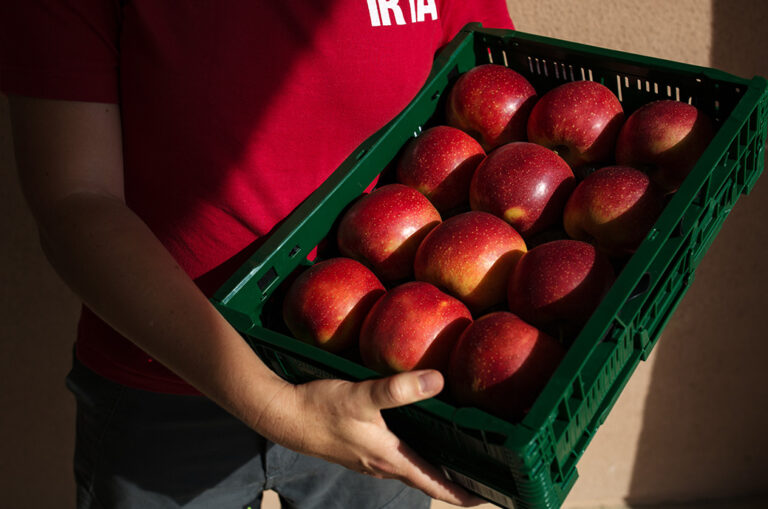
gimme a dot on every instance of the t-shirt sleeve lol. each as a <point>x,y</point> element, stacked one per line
<point>457,13</point>
<point>60,49</point>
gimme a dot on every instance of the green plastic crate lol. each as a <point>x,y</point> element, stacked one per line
<point>532,463</point>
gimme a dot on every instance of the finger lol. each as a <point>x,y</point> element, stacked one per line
<point>404,388</point>
<point>424,476</point>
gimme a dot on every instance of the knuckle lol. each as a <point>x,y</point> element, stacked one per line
<point>379,468</point>
<point>395,390</point>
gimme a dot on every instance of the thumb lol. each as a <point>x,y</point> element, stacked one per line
<point>405,388</point>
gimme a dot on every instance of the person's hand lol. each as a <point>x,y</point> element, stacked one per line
<point>341,422</point>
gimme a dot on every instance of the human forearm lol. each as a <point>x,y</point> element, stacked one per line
<point>108,256</point>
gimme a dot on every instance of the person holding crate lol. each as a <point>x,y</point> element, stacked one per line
<point>156,141</point>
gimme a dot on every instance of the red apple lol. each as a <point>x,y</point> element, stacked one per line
<point>579,120</point>
<point>439,163</point>
<point>557,285</point>
<point>413,326</point>
<point>383,229</point>
<point>501,364</point>
<point>470,256</point>
<point>491,102</point>
<point>614,208</point>
<point>664,138</point>
<point>525,184</point>
<point>327,303</point>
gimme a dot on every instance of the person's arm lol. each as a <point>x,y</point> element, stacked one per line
<point>69,156</point>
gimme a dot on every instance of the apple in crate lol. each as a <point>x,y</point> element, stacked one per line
<point>523,183</point>
<point>491,102</point>
<point>557,285</point>
<point>579,120</point>
<point>413,326</point>
<point>664,138</point>
<point>470,256</point>
<point>439,163</point>
<point>501,364</point>
<point>614,208</point>
<point>384,228</point>
<point>327,303</point>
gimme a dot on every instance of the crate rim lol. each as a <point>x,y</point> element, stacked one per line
<point>523,434</point>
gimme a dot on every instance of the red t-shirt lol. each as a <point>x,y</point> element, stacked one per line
<point>233,112</point>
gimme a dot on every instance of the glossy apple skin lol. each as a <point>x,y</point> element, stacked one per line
<point>579,120</point>
<point>557,285</point>
<point>383,229</point>
<point>440,163</point>
<point>327,303</point>
<point>470,256</point>
<point>501,364</point>
<point>491,102</point>
<point>664,138</point>
<point>614,208</point>
<point>523,183</point>
<point>413,326</point>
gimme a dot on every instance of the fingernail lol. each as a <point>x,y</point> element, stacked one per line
<point>430,382</point>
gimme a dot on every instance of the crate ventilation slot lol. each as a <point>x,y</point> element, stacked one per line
<point>296,250</point>
<point>501,56</point>
<point>267,279</point>
<point>627,82</point>
<point>561,71</point>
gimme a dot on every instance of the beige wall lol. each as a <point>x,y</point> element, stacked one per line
<point>689,425</point>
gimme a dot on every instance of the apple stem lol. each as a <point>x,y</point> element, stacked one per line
<point>560,150</point>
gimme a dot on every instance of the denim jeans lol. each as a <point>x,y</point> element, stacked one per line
<point>144,450</point>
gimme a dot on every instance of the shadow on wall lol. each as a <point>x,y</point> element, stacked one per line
<point>703,431</point>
